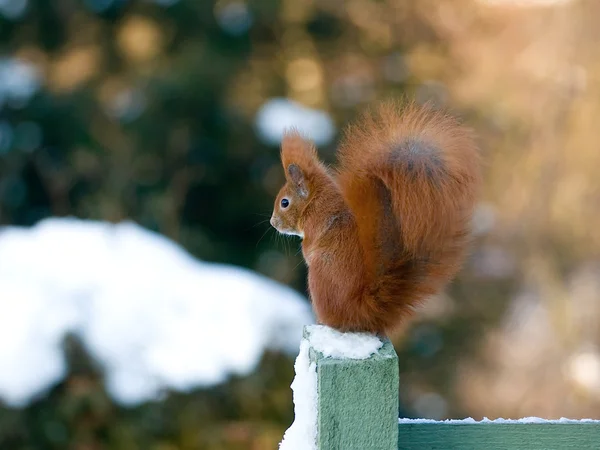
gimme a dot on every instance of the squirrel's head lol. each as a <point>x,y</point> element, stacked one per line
<point>300,163</point>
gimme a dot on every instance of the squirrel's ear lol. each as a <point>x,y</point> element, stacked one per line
<point>298,179</point>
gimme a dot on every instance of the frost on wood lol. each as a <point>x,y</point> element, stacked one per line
<point>153,316</point>
<point>485,420</point>
<point>302,434</point>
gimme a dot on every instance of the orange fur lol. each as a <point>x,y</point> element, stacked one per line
<point>390,226</point>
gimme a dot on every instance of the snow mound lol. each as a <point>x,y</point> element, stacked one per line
<point>335,344</point>
<point>151,314</point>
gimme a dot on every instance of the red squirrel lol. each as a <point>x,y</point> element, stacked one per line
<point>389,226</point>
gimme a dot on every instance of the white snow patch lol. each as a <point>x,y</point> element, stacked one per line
<point>302,434</point>
<point>151,314</point>
<point>19,81</point>
<point>335,344</point>
<point>485,420</point>
<point>280,114</point>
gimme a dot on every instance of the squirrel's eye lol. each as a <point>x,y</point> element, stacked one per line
<point>285,203</point>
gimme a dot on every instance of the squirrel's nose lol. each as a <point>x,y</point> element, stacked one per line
<point>271,222</point>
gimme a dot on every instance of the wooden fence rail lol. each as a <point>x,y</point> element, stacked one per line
<point>499,436</point>
<point>357,409</point>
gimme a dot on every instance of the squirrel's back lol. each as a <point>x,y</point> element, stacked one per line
<point>410,175</point>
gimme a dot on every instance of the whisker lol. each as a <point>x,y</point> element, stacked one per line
<point>260,223</point>
<point>263,235</point>
<point>298,265</point>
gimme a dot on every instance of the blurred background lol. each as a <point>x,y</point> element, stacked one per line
<point>168,113</point>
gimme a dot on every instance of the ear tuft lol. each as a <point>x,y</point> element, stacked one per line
<point>300,162</point>
<point>296,149</point>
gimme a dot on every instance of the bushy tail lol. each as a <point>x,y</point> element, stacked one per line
<point>410,175</point>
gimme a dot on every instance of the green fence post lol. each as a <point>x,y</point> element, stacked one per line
<point>357,403</point>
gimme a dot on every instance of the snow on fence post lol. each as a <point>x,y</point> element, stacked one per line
<point>530,433</point>
<point>357,403</point>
